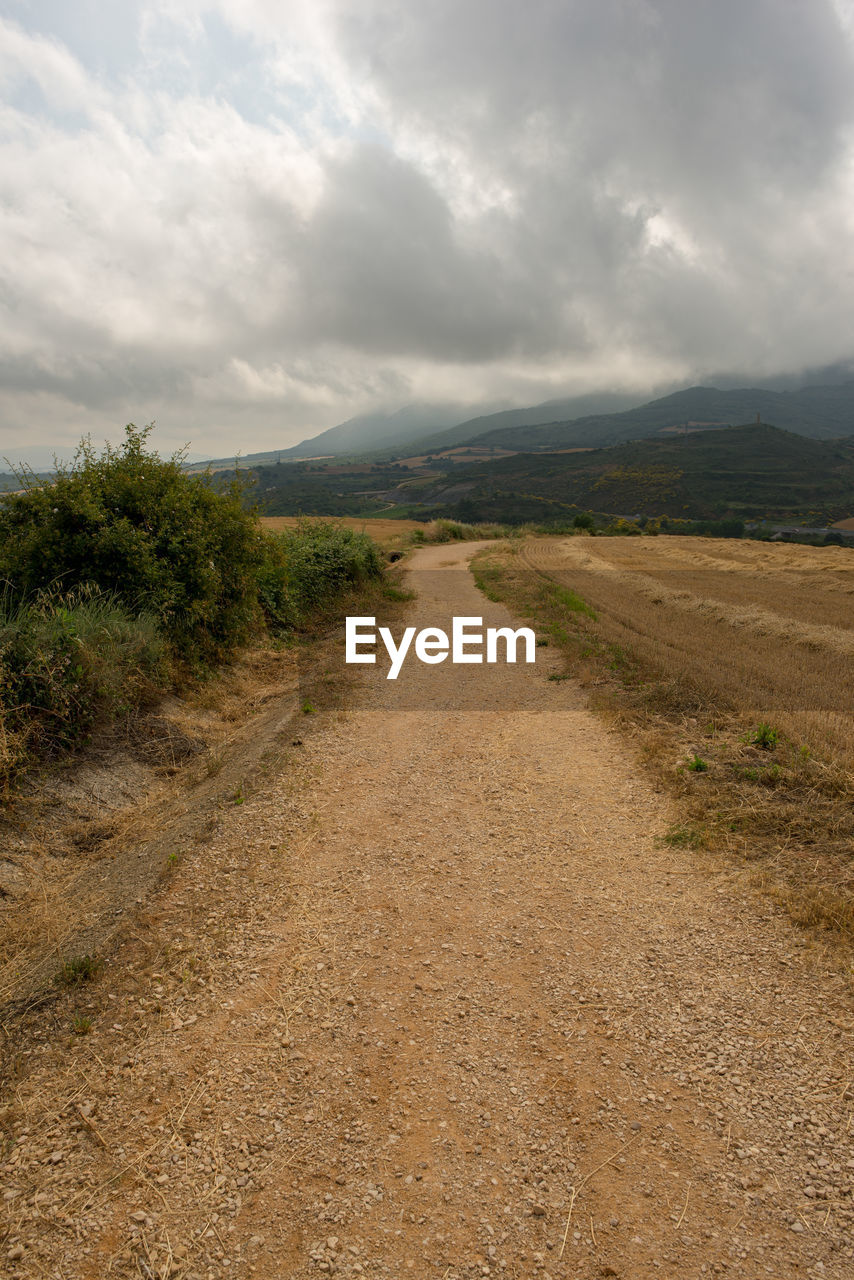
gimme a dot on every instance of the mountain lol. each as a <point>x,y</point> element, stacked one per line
<point>371,431</point>
<point>819,412</point>
<point>507,419</point>
<point>754,471</point>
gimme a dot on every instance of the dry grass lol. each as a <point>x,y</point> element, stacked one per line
<point>695,643</point>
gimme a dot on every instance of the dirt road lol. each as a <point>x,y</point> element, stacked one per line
<point>437,1002</point>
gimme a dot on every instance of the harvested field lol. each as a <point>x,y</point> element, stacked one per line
<point>764,629</point>
<point>729,664</point>
<point>391,535</point>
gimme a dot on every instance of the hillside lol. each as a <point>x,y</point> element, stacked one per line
<point>821,412</point>
<point>749,471</point>
<point>818,412</point>
<point>549,411</point>
<point>372,431</point>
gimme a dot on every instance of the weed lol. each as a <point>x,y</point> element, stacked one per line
<point>697,764</point>
<point>308,708</point>
<point>765,736</point>
<point>397,594</point>
<point>683,836</point>
<point>77,970</point>
<point>80,1025</point>
<point>239,797</point>
<point>572,601</point>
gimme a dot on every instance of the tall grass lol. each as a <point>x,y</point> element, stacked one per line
<point>456,531</point>
<point>66,660</point>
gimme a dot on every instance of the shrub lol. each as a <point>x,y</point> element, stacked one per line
<point>129,523</point>
<point>315,563</point>
<point>274,594</point>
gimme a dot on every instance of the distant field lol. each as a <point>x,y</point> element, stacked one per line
<point>389,534</point>
<point>765,629</point>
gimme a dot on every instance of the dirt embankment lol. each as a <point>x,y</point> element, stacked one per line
<point>435,1002</point>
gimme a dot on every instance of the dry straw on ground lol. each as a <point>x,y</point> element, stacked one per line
<point>695,644</point>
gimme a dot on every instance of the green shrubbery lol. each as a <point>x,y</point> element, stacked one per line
<point>318,563</point>
<point>127,522</point>
<point>124,563</point>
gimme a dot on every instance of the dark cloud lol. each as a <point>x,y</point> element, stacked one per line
<point>384,270</point>
<point>277,217</point>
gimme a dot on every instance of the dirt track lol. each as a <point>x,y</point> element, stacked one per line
<point>436,1003</point>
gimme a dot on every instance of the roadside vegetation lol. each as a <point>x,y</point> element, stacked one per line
<point>729,665</point>
<point>125,574</point>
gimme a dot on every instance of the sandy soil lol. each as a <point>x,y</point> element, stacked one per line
<point>436,1002</point>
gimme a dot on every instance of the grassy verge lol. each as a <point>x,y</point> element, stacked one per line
<point>68,660</point>
<point>745,788</point>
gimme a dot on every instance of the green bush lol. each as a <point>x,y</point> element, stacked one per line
<point>121,562</point>
<point>274,592</point>
<point>314,563</point>
<point>127,522</point>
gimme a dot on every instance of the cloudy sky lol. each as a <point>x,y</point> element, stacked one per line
<point>251,219</point>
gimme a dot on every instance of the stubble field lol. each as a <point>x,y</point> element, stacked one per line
<point>730,664</point>
<point>764,629</point>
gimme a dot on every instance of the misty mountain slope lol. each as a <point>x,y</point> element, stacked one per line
<point>548,411</point>
<point>372,431</point>
<point>819,412</point>
<point>591,421</point>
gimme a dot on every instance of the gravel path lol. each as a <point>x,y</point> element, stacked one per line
<point>436,1002</point>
